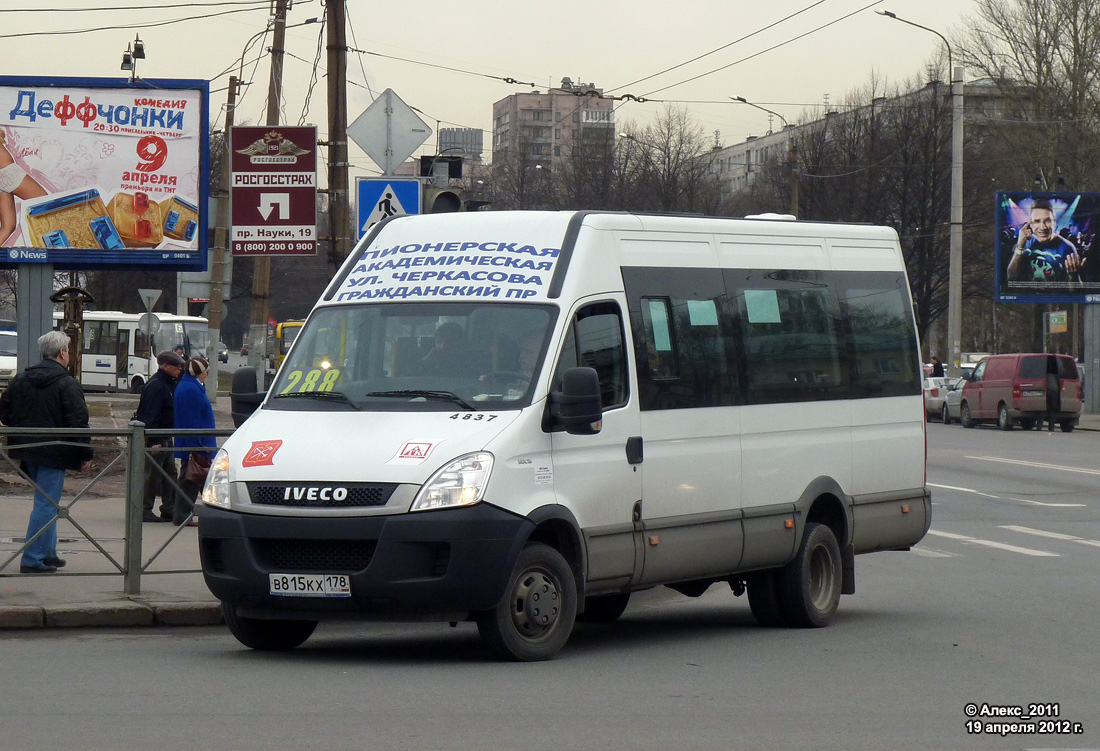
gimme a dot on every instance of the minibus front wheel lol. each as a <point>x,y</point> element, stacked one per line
<point>535,616</point>
<point>258,633</point>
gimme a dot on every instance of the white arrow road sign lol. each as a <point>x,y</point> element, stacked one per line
<point>268,201</point>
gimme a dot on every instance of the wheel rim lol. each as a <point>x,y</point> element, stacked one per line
<point>822,579</point>
<point>1002,417</point>
<point>536,603</point>
<point>964,415</point>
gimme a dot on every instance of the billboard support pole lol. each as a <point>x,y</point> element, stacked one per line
<point>1091,359</point>
<point>34,311</point>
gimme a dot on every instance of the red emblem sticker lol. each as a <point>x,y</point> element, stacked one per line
<point>415,451</point>
<point>261,454</point>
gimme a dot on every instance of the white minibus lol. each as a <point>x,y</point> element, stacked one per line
<point>117,355</point>
<point>521,418</point>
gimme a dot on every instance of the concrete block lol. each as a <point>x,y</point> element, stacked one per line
<point>187,613</point>
<point>21,616</point>
<point>99,614</point>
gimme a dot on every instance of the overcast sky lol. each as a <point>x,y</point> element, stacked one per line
<point>612,44</point>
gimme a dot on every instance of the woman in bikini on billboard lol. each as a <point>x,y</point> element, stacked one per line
<point>14,183</point>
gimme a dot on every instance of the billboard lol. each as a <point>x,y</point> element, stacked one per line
<point>1044,247</point>
<point>104,173</point>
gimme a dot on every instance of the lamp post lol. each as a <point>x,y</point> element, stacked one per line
<point>954,294</point>
<point>792,153</point>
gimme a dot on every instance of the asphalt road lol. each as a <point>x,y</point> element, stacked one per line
<point>997,607</point>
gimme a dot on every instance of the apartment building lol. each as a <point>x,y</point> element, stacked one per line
<point>542,126</point>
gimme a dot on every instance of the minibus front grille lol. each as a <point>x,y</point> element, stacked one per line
<point>321,495</point>
<point>313,555</point>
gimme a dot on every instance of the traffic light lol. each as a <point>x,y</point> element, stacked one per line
<point>442,200</point>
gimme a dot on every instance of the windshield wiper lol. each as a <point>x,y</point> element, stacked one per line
<point>413,394</point>
<point>323,395</point>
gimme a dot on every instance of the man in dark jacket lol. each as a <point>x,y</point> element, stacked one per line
<point>45,396</point>
<point>157,410</point>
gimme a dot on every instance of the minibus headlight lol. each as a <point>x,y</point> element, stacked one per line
<point>216,490</point>
<point>460,483</point>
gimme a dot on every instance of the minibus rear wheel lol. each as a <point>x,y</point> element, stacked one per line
<point>257,633</point>
<point>533,620</point>
<point>764,598</point>
<point>809,586</point>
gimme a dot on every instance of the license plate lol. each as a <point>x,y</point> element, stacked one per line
<point>1033,393</point>
<point>310,585</point>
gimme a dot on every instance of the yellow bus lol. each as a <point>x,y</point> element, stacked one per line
<point>285,333</point>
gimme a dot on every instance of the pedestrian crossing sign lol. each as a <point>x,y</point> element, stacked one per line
<point>378,198</point>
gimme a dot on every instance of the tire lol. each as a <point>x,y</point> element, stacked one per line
<point>1066,426</point>
<point>763,589</point>
<point>964,416</point>
<point>535,616</point>
<point>275,636</point>
<point>604,609</point>
<point>137,385</point>
<point>1027,423</point>
<point>809,586</point>
<point>1004,422</point>
<point>944,417</point>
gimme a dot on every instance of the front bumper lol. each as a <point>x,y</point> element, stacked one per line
<point>433,564</point>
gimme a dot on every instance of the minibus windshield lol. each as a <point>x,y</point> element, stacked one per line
<point>422,356</point>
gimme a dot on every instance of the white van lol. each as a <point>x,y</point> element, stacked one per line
<point>520,418</point>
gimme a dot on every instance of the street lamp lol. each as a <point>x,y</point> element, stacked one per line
<point>792,153</point>
<point>954,294</point>
<point>134,51</point>
<point>743,100</point>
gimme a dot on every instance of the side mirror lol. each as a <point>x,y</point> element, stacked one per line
<point>577,407</point>
<point>245,396</point>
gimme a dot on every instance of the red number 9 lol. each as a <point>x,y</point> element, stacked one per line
<point>153,151</point>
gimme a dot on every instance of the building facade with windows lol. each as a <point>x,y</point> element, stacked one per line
<point>541,127</point>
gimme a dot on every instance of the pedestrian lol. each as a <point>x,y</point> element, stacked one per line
<point>157,410</point>
<point>193,411</point>
<point>937,367</point>
<point>46,395</point>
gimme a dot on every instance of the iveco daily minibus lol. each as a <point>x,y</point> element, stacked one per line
<point>520,418</point>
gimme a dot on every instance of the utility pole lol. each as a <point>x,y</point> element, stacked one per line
<point>221,233</point>
<point>339,207</point>
<point>261,270</point>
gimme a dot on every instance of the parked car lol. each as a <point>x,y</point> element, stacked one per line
<point>1012,389</point>
<point>952,398</point>
<point>934,391</point>
<point>223,352</point>
<point>244,346</point>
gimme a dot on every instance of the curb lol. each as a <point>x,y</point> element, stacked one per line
<point>118,614</point>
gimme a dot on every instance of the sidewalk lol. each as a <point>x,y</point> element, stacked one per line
<point>88,591</point>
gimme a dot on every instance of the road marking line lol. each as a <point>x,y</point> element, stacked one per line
<point>998,545</point>
<point>1040,465</point>
<point>931,553</point>
<point>1052,535</point>
<point>1002,498</point>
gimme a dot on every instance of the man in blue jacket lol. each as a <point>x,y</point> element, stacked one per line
<point>46,396</point>
<point>157,410</point>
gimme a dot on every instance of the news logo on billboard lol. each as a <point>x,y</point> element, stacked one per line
<point>104,173</point>
<point>1045,247</point>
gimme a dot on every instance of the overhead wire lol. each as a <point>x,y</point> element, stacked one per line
<point>361,66</point>
<point>313,77</point>
<point>137,7</point>
<point>141,25</point>
<point>724,46</point>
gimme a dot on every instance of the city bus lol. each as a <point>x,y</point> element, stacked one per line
<point>118,356</point>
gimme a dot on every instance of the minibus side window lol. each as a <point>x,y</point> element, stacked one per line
<point>595,340</point>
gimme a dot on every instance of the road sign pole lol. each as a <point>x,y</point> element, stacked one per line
<point>338,196</point>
